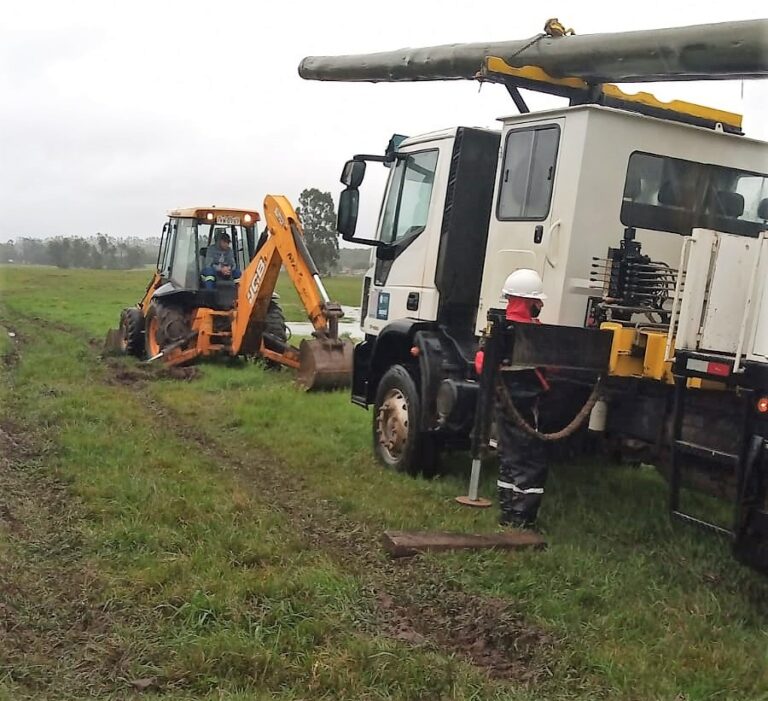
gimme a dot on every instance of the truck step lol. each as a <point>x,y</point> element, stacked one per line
<point>705,453</point>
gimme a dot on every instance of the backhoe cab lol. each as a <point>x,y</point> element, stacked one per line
<point>181,318</point>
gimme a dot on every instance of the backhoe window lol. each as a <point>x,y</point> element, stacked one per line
<point>237,235</point>
<point>410,191</point>
<point>184,261</point>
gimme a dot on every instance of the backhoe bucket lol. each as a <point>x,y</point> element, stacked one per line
<point>113,343</point>
<point>325,363</point>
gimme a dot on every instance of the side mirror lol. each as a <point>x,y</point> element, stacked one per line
<point>349,204</point>
<point>353,173</point>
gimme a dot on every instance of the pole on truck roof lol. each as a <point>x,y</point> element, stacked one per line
<point>723,51</point>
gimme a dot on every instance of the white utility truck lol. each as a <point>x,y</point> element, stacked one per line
<point>647,222</point>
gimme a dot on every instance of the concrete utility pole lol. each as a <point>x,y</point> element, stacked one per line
<point>730,50</point>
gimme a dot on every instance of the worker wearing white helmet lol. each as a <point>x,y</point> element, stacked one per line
<point>524,292</point>
<point>522,463</point>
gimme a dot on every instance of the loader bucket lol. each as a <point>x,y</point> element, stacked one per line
<point>325,363</point>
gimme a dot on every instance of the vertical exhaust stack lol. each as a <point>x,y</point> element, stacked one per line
<point>728,50</point>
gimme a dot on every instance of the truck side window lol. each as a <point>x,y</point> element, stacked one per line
<point>674,195</point>
<point>410,190</point>
<point>530,156</point>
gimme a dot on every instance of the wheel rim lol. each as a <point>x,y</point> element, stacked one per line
<point>152,342</point>
<point>392,425</point>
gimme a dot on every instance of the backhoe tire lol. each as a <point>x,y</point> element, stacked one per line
<point>397,441</point>
<point>132,331</point>
<point>274,325</point>
<point>163,325</point>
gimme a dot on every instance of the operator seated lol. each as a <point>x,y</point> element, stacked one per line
<point>219,261</point>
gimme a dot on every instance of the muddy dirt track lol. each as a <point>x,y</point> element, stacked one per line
<point>414,604</point>
<point>411,600</point>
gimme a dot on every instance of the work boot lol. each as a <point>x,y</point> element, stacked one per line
<point>522,524</point>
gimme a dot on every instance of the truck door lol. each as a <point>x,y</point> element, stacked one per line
<point>398,289</point>
<point>525,194</point>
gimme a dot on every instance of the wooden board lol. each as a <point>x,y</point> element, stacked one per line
<point>408,543</point>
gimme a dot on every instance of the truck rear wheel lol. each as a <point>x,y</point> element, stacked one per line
<point>132,331</point>
<point>397,441</point>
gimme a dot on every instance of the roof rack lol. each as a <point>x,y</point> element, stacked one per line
<point>580,92</point>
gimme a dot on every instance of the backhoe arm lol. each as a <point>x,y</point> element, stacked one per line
<point>284,225</point>
<point>323,361</point>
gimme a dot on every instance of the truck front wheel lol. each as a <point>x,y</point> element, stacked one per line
<point>397,441</point>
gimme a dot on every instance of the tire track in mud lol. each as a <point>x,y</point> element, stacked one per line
<point>413,601</point>
<point>57,630</point>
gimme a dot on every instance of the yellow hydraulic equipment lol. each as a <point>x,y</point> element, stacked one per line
<point>180,322</point>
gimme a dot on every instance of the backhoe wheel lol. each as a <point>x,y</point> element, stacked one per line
<point>274,325</point>
<point>132,331</point>
<point>397,441</point>
<point>164,325</point>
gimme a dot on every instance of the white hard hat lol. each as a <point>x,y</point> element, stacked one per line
<point>524,283</point>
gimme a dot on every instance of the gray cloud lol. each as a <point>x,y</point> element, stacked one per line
<point>112,113</point>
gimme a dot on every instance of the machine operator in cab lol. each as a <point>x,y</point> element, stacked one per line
<point>219,261</point>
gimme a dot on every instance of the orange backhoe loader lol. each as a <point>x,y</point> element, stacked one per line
<point>182,317</point>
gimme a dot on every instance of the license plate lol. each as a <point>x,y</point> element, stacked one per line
<point>230,221</point>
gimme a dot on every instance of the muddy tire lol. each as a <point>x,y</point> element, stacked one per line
<point>274,326</point>
<point>397,441</point>
<point>164,325</point>
<point>274,323</point>
<point>132,331</point>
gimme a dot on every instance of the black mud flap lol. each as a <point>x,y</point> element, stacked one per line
<point>750,545</point>
<point>361,372</point>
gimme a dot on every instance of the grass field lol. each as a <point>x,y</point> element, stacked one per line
<point>218,539</point>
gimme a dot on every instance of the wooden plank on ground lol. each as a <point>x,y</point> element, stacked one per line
<point>407,543</point>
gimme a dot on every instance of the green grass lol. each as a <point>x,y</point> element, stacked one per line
<point>60,294</point>
<point>210,587</point>
<point>6,342</point>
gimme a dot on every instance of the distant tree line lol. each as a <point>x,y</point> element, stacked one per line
<point>354,259</point>
<point>99,251</point>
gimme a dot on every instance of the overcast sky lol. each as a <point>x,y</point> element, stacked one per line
<point>112,113</point>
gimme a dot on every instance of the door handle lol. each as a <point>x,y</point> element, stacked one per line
<point>538,233</point>
<point>553,248</point>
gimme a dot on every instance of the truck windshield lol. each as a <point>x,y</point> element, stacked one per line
<point>410,191</point>
<point>675,195</point>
